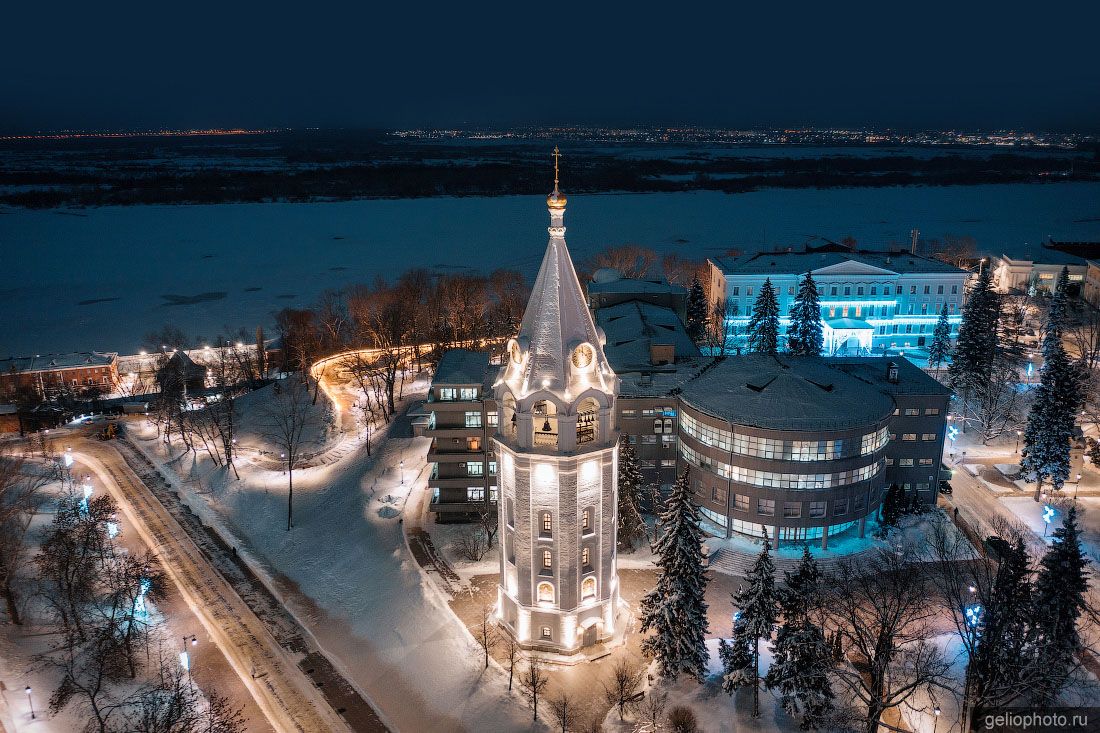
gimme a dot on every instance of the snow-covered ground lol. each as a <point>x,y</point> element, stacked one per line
<point>347,574</point>
<point>102,278</point>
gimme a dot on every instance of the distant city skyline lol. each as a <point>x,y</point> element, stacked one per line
<point>943,66</point>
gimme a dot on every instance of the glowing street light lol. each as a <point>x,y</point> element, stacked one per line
<point>30,701</point>
<point>402,471</point>
<point>1048,516</point>
<point>935,720</point>
<point>1019,434</point>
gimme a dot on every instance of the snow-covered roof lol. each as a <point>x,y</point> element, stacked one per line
<point>631,285</point>
<point>461,366</point>
<point>787,393</point>
<point>912,380</point>
<point>632,327</point>
<point>54,362</point>
<point>797,263</point>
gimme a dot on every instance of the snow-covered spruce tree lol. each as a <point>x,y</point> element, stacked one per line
<point>736,658</point>
<point>1060,598</point>
<point>804,336</point>
<point>696,311</point>
<point>802,656</point>
<point>940,348</point>
<point>1056,314</point>
<point>976,346</point>
<point>763,325</point>
<point>675,610</point>
<point>1051,419</point>
<point>758,608</point>
<point>632,526</point>
<point>893,504</point>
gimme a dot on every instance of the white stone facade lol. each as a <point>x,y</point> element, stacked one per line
<point>557,448</point>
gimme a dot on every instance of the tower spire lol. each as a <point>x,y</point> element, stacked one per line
<point>556,200</point>
<point>557,155</point>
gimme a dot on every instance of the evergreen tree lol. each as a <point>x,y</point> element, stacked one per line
<point>1000,664</point>
<point>736,657</point>
<point>805,338</point>
<point>1060,597</point>
<point>976,346</point>
<point>632,526</point>
<point>940,348</point>
<point>1056,314</point>
<point>696,310</point>
<point>892,506</point>
<point>675,609</point>
<point>802,655</point>
<point>764,323</point>
<point>758,608</point>
<point>1051,420</point>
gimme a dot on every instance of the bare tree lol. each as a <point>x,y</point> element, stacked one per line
<point>533,682</point>
<point>488,523</point>
<point>881,612</point>
<point>20,497</point>
<point>652,707</point>
<point>487,634</point>
<point>717,333</point>
<point>995,406</point>
<point>382,317</point>
<point>631,260</point>
<point>171,704</point>
<point>564,711</point>
<point>286,420</point>
<point>622,690</point>
<point>512,653</point>
<point>470,544</point>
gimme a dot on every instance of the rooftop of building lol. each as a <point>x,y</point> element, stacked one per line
<point>52,362</point>
<point>803,393</point>
<point>463,366</point>
<point>633,327</point>
<point>1054,252</point>
<point>608,280</point>
<point>812,259</point>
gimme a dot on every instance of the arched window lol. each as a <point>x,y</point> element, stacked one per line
<point>546,525</point>
<point>588,589</point>
<point>587,425</point>
<point>586,556</point>
<point>545,424</point>
<point>545,593</point>
<point>547,559</point>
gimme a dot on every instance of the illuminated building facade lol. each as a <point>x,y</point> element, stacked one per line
<point>557,448</point>
<point>870,301</point>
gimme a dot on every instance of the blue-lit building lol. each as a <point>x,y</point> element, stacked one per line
<point>870,301</point>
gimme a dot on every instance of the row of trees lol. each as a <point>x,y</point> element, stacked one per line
<point>869,629</point>
<point>804,337</point>
<point>108,649</point>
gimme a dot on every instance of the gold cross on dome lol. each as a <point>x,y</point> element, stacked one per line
<point>557,155</point>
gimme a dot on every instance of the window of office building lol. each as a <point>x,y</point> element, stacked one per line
<point>909,436</point>
<point>718,493</point>
<point>475,493</point>
<point>741,503</point>
<point>926,461</point>
<point>840,506</point>
<point>475,468</point>
<point>928,436</point>
<point>448,393</point>
<point>765,507</point>
<point>931,411</point>
<point>906,462</point>
<point>473,419</point>
<point>468,393</point>
<point>792,509</point>
<point>493,418</point>
<point>817,509</point>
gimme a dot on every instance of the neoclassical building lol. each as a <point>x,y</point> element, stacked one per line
<point>557,447</point>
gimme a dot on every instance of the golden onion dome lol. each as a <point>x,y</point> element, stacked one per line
<point>556,200</point>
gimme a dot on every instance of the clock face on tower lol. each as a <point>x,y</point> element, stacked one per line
<point>583,356</point>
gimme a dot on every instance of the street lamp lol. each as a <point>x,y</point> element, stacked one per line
<point>185,658</point>
<point>402,471</point>
<point>935,720</point>
<point>283,457</point>
<point>30,702</point>
<point>1076,486</point>
<point>1018,434</point>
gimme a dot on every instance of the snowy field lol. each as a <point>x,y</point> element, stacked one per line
<point>102,278</point>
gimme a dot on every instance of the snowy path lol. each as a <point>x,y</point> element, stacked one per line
<point>347,574</point>
<point>289,700</point>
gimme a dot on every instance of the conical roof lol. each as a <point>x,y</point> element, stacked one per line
<point>557,321</point>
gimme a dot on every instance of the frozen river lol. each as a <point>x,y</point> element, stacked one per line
<point>102,278</point>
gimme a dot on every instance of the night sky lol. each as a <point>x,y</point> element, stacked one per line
<point>904,65</point>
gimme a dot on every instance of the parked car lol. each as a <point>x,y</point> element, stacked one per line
<point>945,488</point>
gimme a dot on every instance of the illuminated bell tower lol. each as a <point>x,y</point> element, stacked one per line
<point>558,465</point>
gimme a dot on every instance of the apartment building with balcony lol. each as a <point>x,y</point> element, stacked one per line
<point>462,417</point>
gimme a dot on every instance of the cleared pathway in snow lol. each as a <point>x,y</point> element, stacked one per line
<point>347,574</point>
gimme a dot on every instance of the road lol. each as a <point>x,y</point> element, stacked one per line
<point>281,690</point>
